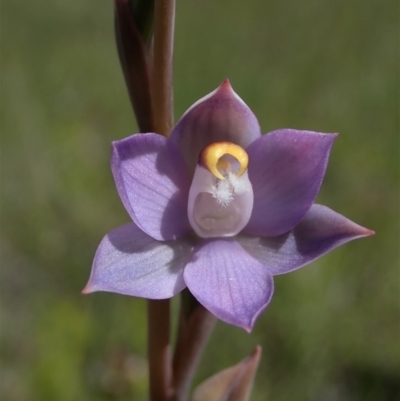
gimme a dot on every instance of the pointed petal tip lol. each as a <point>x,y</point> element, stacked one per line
<point>87,290</point>
<point>226,85</point>
<point>226,90</point>
<point>368,232</point>
<point>250,326</point>
<point>332,136</point>
<point>358,231</point>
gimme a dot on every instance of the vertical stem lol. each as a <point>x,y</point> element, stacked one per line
<point>159,350</point>
<point>195,327</point>
<point>164,18</point>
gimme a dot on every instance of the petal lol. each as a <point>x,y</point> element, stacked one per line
<point>230,283</point>
<point>130,262</point>
<point>219,116</point>
<point>286,169</point>
<point>319,232</point>
<point>153,184</point>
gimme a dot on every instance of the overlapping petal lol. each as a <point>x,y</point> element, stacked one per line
<point>219,116</point>
<point>153,183</point>
<point>286,169</point>
<point>130,262</point>
<point>229,282</point>
<point>321,230</point>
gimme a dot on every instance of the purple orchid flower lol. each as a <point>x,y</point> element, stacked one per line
<point>219,209</point>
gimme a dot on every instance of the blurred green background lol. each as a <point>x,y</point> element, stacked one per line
<point>330,333</point>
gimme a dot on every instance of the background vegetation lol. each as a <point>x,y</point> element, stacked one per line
<point>330,333</point>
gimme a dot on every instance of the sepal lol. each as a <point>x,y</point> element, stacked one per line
<point>217,117</point>
<point>232,384</point>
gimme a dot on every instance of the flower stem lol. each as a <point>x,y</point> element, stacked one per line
<point>159,349</point>
<point>195,326</point>
<point>164,18</point>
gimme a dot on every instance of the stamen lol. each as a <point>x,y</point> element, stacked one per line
<point>210,158</point>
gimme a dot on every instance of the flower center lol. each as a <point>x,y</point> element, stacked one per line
<point>221,195</point>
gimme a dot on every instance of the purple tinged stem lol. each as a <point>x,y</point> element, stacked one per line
<point>164,19</point>
<point>159,353</point>
<point>195,327</point>
<point>159,349</point>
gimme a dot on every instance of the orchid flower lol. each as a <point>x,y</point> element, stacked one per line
<point>218,208</point>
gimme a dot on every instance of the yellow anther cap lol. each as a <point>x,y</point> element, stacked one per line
<point>210,157</point>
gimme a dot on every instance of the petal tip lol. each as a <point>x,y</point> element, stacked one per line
<point>225,91</point>
<point>361,232</point>
<point>248,326</point>
<point>262,309</point>
<point>115,156</point>
<point>368,232</point>
<point>226,85</point>
<point>114,145</point>
<point>87,290</point>
<point>331,137</point>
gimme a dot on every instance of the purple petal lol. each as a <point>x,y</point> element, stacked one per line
<point>319,232</point>
<point>219,116</point>
<point>230,283</point>
<point>130,262</point>
<point>286,170</point>
<point>153,184</point>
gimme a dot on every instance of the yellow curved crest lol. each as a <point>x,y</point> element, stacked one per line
<point>210,157</point>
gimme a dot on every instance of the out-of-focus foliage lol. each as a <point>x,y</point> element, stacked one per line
<point>331,66</point>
